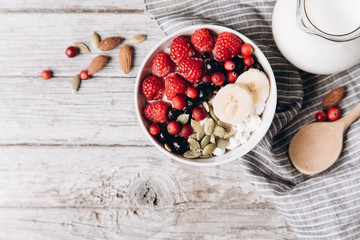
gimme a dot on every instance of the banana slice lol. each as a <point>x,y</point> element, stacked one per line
<point>233,103</point>
<point>258,84</point>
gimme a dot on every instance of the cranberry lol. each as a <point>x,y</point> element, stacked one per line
<point>229,65</point>
<point>206,79</point>
<point>154,129</point>
<point>173,127</point>
<point>246,50</point>
<point>320,116</point>
<point>218,78</point>
<point>191,92</point>
<point>84,75</point>
<point>333,114</point>
<point>232,77</point>
<point>248,61</point>
<point>46,74</point>
<point>178,102</point>
<point>205,56</point>
<point>211,65</point>
<point>72,51</point>
<point>186,131</point>
<point>199,114</point>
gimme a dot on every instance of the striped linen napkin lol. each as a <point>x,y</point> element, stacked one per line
<point>323,206</point>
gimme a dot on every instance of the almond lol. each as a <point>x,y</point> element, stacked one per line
<point>110,43</point>
<point>125,58</point>
<point>97,64</point>
<point>333,97</point>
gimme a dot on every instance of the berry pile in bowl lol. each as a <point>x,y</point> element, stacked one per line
<point>205,95</point>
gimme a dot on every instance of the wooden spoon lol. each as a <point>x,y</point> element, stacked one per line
<point>318,145</point>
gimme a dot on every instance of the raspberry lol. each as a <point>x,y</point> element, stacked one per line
<point>178,102</point>
<point>181,49</point>
<point>227,46</point>
<point>156,111</point>
<point>202,40</point>
<point>162,65</point>
<point>153,87</point>
<point>173,127</point>
<point>186,131</point>
<point>174,84</point>
<point>191,69</point>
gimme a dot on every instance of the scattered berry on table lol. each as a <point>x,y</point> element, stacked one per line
<point>232,77</point>
<point>333,114</point>
<point>178,102</point>
<point>181,49</point>
<point>190,69</point>
<point>174,84</point>
<point>172,114</point>
<point>154,129</point>
<point>248,61</point>
<point>72,51</point>
<point>191,92</point>
<point>173,127</point>
<point>199,114</point>
<point>153,87</point>
<point>227,46</point>
<point>46,74</point>
<point>202,40</point>
<point>218,78</point>
<point>162,65</point>
<point>205,56</point>
<point>246,50</point>
<point>229,65</point>
<point>211,65</point>
<point>180,145</point>
<point>84,75</point>
<point>186,130</point>
<point>320,116</point>
<point>206,79</point>
<point>156,111</point>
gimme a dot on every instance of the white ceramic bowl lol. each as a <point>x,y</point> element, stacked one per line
<point>267,115</point>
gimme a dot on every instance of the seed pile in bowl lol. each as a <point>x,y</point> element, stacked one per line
<point>206,96</point>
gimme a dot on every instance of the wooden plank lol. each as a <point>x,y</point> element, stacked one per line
<point>71,6</point>
<point>30,43</point>
<point>112,193</point>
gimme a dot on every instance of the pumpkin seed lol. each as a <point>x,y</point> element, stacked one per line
<point>192,154</point>
<point>210,148</point>
<point>183,118</point>
<point>167,147</point>
<point>206,106</point>
<point>219,131</point>
<point>205,141</point>
<point>201,133</point>
<point>84,49</point>
<point>226,126</point>
<point>193,136</point>
<point>75,84</point>
<point>213,114</point>
<point>212,138</point>
<point>195,125</point>
<point>209,126</point>
<point>222,143</point>
<point>194,145</point>
<point>206,156</point>
<point>138,38</point>
<point>95,40</point>
<point>229,134</point>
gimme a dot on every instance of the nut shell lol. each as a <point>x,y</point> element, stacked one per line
<point>333,97</point>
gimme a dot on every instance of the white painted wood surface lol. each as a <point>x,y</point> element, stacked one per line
<point>78,166</point>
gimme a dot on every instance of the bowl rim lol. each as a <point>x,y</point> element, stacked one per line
<point>269,105</point>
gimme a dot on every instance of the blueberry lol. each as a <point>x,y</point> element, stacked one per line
<point>258,66</point>
<point>205,56</point>
<point>179,145</point>
<point>205,93</point>
<point>190,105</point>
<point>172,114</point>
<point>164,136</point>
<point>211,65</point>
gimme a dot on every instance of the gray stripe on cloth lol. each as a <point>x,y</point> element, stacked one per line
<point>323,206</point>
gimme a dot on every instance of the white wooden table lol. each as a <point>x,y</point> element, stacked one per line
<point>79,166</point>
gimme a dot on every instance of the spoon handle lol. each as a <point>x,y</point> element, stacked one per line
<point>351,117</point>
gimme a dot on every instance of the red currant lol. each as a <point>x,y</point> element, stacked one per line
<point>229,65</point>
<point>46,74</point>
<point>154,129</point>
<point>84,75</point>
<point>199,114</point>
<point>246,50</point>
<point>178,102</point>
<point>320,116</point>
<point>173,127</point>
<point>191,92</point>
<point>218,78</point>
<point>72,51</point>
<point>232,77</point>
<point>248,61</point>
<point>206,79</point>
<point>333,114</point>
<point>186,131</point>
